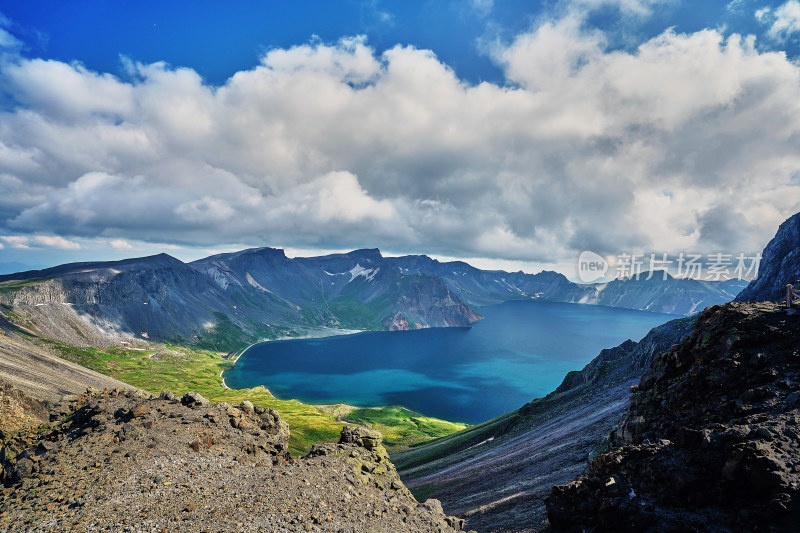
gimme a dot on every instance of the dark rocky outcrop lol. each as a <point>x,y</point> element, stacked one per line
<point>711,441</point>
<point>118,460</point>
<point>780,265</point>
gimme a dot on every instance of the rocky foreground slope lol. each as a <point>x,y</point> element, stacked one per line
<point>711,441</point>
<point>33,376</point>
<point>118,460</point>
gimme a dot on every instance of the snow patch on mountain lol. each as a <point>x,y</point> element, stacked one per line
<point>358,270</point>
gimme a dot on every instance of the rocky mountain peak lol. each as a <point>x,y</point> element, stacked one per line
<point>780,265</point>
<point>367,254</point>
<point>277,253</point>
<point>242,255</point>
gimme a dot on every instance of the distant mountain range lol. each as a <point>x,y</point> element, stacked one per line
<point>485,287</point>
<point>227,300</point>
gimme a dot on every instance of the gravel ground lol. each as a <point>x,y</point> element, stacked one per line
<point>119,460</point>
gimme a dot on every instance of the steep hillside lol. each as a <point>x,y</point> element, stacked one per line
<point>710,442</point>
<point>780,265</point>
<point>35,368</point>
<point>118,461</point>
<point>497,474</point>
<point>156,297</point>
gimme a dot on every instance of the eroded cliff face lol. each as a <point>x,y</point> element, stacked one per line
<point>711,441</point>
<point>155,297</point>
<point>426,299</point>
<point>118,460</point>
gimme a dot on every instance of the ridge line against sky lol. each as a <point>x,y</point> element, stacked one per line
<point>512,134</point>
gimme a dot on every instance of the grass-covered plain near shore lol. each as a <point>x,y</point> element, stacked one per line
<point>180,369</point>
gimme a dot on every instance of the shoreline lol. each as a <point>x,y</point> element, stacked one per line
<point>235,358</point>
<point>325,332</point>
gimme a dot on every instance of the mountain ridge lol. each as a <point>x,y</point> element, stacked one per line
<point>229,300</point>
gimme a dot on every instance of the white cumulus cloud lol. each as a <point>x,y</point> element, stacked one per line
<point>784,20</point>
<point>55,241</point>
<point>332,145</point>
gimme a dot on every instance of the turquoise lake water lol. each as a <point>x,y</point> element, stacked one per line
<point>521,350</point>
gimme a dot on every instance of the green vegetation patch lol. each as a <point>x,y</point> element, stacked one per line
<point>224,335</point>
<point>401,427</point>
<point>180,369</point>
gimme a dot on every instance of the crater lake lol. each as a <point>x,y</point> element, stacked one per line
<point>521,350</point>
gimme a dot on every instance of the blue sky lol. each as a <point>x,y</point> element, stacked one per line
<point>512,134</point>
<point>219,41</point>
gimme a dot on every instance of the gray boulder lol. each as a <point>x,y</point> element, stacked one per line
<point>194,399</point>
